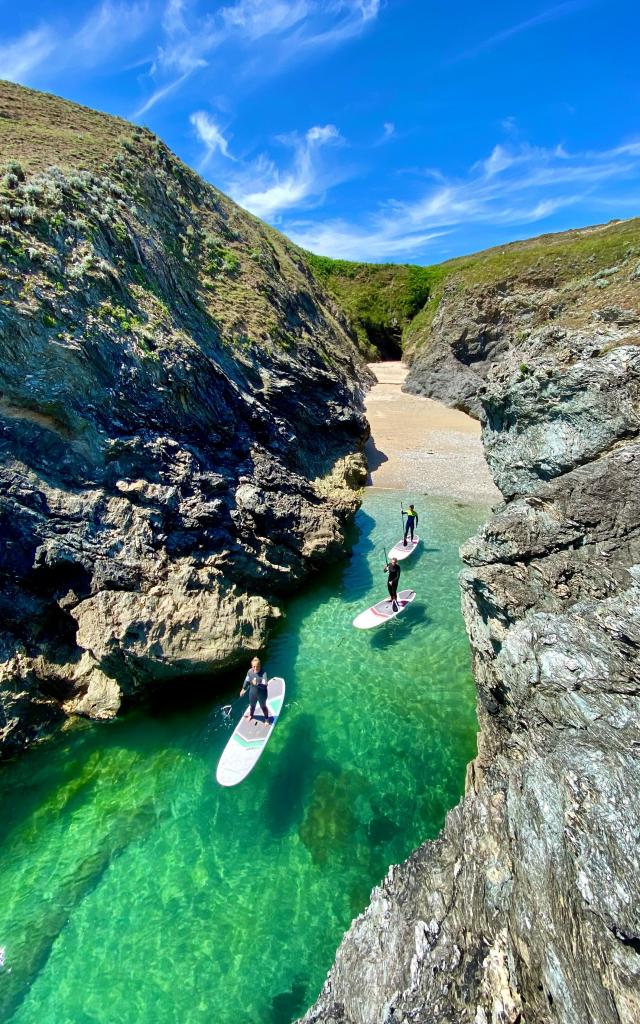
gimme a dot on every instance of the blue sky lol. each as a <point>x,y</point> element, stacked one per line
<point>409,130</point>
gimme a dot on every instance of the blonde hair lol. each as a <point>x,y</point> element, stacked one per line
<point>254,660</point>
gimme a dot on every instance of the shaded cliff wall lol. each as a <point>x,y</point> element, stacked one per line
<point>526,908</point>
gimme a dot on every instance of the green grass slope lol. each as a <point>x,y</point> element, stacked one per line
<point>380,299</point>
<point>92,204</point>
<point>548,261</point>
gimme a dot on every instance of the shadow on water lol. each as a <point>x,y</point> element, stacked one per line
<point>358,577</point>
<point>401,628</point>
<point>288,1006</point>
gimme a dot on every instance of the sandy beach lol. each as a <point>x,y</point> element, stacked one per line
<point>419,446</point>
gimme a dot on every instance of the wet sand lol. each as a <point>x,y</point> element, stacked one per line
<point>419,446</point>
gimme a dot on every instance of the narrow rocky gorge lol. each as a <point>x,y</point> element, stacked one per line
<point>180,419</point>
<point>526,908</point>
<point>180,432</point>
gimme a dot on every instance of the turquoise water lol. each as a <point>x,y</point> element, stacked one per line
<point>135,890</point>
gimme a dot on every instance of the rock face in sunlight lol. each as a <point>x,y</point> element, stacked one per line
<point>180,417</point>
<point>527,908</point>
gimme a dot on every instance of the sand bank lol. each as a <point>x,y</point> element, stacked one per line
<point>419,446</point>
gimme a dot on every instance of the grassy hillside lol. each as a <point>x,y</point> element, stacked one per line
<point>380,299</point>
<point>91,203</point>
<point>391,307</point>
<point>552,261</point>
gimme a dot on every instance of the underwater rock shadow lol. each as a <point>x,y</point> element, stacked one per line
<point>288,1006</point>
<point>295,775</point>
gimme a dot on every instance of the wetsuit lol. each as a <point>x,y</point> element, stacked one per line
<point>412,521</point>
<point>392,581</point>
<point>258,691</point>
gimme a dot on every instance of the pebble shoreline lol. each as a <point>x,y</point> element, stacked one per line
<point>422,447</point>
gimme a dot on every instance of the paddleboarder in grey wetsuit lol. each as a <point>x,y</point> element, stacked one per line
<point>255,682</point>
<point>392,582</point>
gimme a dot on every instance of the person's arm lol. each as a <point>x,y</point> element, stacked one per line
<point>245,684</point>
<point>386,568</point>
<point>264,677</point>
<point>416,514</point>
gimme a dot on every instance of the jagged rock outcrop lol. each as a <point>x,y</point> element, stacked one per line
<point>180,419</point>
<point>527,907</point>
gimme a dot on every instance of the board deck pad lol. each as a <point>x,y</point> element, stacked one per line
<point>401,552</point>
<point>383,611</point>
<point>250,737</point>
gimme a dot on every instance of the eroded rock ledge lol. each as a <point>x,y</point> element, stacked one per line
<point>527,907</point>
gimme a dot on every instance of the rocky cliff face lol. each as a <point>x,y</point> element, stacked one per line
<point>179,405</point>
<point>509,309</point>
<point>527,907</point>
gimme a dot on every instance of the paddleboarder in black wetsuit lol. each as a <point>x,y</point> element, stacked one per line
<point>392,582</point>
<point>412,521</point>
<point>256,682</point>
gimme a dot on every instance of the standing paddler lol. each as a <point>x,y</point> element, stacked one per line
<point>393,569</point>
<point>411,523</point>
<point>255,682</point>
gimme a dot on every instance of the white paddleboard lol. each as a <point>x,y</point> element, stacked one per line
<point>399,550</point>
<point>249,738</point>
<point>383,610</point>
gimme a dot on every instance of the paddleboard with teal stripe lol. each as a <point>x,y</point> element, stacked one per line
<point>249,738</point>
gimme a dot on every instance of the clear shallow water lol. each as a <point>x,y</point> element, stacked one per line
<point>134,889</point>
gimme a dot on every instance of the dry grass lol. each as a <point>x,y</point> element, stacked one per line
<point>39,130</point>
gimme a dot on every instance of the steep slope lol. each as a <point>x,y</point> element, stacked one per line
<point>526,909</point>
<point>516,304</point>
<point>179,399</point>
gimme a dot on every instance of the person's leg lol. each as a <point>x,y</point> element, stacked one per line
<point>393,591</point>
<point>265,709</point>
<point>253,698</point>
<point>411,529</point>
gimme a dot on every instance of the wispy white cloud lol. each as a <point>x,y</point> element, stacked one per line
<point>108,28</point>
<point>18,59</point>
<point>256,18</point>
<point>210,135</point>
<point>293,28</point>
<point>521,185</point>
<point>267,190</point>
<point>554,13</point>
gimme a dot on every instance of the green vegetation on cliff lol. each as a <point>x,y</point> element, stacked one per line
<point>381,299</point>
<point>97,209</point>
<point>554,260</point>
<point>391,306</point>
